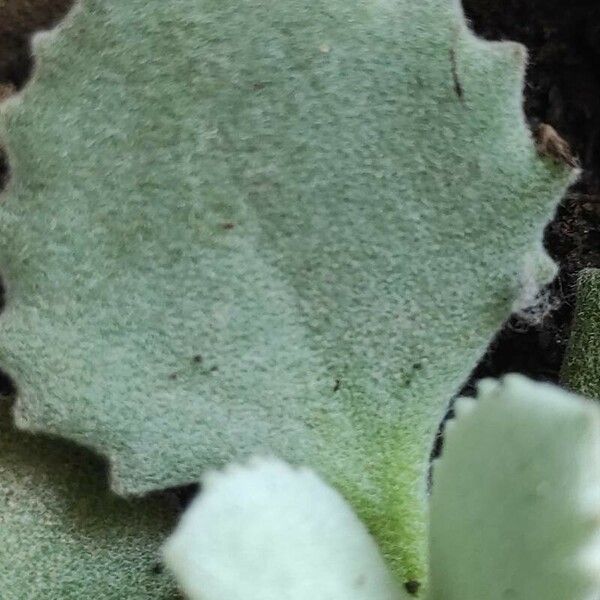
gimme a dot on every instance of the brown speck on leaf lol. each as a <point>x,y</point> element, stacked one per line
<point>6,91</point>
<point>549,143</point>
<point>458,89</point>
<point>412,587</point>
<point>227,225</point>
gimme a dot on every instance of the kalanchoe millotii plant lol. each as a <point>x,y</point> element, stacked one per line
<point>264,227</point>
<point>246,227</point>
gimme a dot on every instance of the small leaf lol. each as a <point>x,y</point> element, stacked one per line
<point>269,531</point>
<point>581,367</point>
<point>515,512</point>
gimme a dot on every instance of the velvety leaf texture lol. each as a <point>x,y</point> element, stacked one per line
<point>265,227</point>
<point>515,509</point>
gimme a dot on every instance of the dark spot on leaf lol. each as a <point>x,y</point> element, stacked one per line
<point>458,89</point>
<point>257,86</point>
<point>4,169</point>
<point>412,587</point>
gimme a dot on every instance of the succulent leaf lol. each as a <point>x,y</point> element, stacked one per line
<point>286,227</point>
<point>581,367</point>
<point>268,531</point>
<point>515,510</point>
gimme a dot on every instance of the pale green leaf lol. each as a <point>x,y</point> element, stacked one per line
<point>268,531</point>
<point>515,511</point>
<point>240,227</point>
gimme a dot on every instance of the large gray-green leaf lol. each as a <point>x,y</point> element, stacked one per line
<point>239,227</point>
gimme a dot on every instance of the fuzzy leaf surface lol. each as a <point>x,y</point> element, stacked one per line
<point>515,510</point>
<point>245,227</point>
<point>64,535</point>
<point>581,367</point>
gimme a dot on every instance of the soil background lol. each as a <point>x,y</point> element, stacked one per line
<point>562,90</point>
